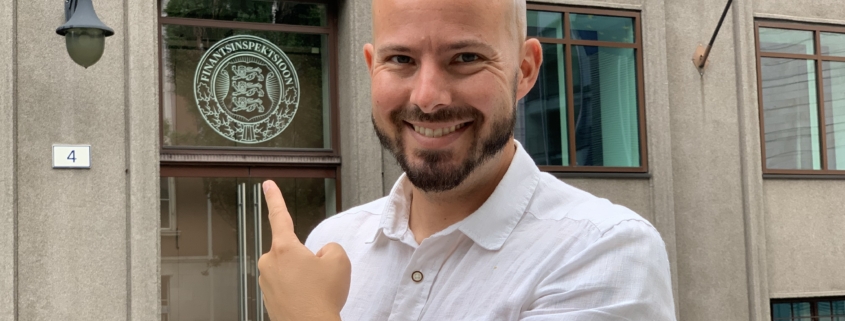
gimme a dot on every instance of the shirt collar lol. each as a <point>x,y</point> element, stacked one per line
<point>491,224</point>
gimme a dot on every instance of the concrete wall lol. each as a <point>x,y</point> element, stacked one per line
<point>804,232</point>
<point>361,172</point>
<point>7,158</point>
<point>86,240</point>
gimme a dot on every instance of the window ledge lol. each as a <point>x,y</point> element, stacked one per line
<point>805,176</point>
<point>601,175</point>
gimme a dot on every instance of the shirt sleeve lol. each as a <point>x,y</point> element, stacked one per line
<point>623,275</point>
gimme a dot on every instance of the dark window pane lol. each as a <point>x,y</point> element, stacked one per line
<point>165,203</point>
<point>801,309</point>
<point>541,124</point>
<point>266,11</point>
<point>165,214</point>
<point>606,113</point>
<point>254,106</point>
<point>781,310</point>
<point>790,114</point>
<point>834,112</point>
<point>833,44</point>
<point>545,24</point>
<point>787,41</point>
<point>823,308</point>
<point>839,307</point>
<point>602,28</point>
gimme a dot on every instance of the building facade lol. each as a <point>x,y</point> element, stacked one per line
<point>739,165</point>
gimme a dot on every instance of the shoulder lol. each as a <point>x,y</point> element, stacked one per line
<point>358,222</point>
<point>556,201</point>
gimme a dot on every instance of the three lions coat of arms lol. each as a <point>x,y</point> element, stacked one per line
<point>246,89</point>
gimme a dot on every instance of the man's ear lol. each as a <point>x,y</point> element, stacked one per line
<point>529,67</point>
<point>369,55</point>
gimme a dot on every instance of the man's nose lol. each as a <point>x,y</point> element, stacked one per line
<point>431,88</point>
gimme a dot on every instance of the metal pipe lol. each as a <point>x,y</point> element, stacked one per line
<point>715,33</point>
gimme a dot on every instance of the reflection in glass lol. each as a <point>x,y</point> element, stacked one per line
<point>790,114</point>
<point>787,41</point>
<point>209,268</point>
<point>834,113</point>
<point>545,24</point>
<point>266,11</point>
<point>182,49</point>
<point>606,106</point>
<point>541,124</point>
<point>833,44</point>
<point>602,28</point>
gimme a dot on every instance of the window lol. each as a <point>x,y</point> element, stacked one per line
<point>168,207</point>
<point>585,114</point>
<point>801,72</point>
<point>817,309</point>
<point>248,93</point>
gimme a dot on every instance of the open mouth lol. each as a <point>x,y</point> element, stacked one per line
<point>437,132</point>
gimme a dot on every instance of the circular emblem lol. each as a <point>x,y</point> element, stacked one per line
<point>246,89</point>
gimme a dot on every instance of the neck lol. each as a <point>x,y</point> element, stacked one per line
<point>433,212</point>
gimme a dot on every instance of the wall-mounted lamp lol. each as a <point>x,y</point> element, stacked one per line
<point>85,35</point>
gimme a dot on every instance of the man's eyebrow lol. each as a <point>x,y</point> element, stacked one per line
<point>464,44</point>
<point>392,48</point>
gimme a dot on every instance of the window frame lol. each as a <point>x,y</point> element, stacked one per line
<point>568,42</point>
<point>813,301</point>
<point>818,58</point>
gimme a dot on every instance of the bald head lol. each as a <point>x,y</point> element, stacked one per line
<point>521,25</point>
<point>514,12</point>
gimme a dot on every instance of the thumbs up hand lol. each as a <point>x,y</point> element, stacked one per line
<point>297,284</point>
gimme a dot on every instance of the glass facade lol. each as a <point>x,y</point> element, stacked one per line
<point>222,228</point>
<point>249,81</point>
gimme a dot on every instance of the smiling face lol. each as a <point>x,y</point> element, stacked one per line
<point>446,75</point>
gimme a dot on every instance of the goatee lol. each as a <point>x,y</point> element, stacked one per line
<point>435,174</point>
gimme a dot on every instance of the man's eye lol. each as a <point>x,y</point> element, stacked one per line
<point>401,59</point>
<point>466,57</point>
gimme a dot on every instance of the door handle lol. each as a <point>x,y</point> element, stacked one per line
<point>259,247</point>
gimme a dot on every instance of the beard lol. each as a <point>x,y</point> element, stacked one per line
<point>436,173</point>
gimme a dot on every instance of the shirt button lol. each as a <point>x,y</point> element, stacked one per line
<point>417,276</point>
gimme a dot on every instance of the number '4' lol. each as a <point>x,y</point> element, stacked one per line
<point>72,156</point>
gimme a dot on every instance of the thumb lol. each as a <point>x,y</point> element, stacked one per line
<point>334,252</point>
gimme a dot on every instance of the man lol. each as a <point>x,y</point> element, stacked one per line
<point>472,230</point>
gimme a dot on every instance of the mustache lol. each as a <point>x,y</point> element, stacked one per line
<point>444,114</point>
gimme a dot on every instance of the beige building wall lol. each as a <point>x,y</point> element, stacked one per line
<point>83,244</point>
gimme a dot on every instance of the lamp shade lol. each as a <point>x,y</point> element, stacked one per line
<point>84,33</point>
<point>83,16</point>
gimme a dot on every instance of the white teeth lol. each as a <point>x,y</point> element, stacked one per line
<point>434,133</point>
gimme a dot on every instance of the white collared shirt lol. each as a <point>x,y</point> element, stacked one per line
<point>537,249</point>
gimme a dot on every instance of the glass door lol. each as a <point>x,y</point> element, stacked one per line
<point>213,231</point>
